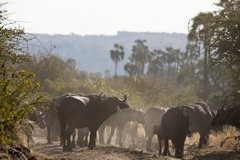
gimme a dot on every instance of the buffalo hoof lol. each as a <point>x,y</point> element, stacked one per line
<point>91,147</point>
<point>179,156</point>
<point>121,144</point>
<point>85,143</point>
<point>81,145</point>
<point>149,149</point>
<point>166,152</point>
<point>67,149</point>
<point>73,145</point>
<point>64,149</point>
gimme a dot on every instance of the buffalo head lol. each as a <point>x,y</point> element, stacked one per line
<point>112,103</point>
<point>229,115</point>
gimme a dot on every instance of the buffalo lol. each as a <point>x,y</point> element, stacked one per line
<point>37,117</point>
<point>83,134</point>
<point>200,117</point>
<point>50,116</point>
<point>131,129</point>
<point>174,127</point>
<point>86,111</point>
<point>118,120</point>
<point>227,116</point>
<point>153,116</point>
<point>34,117</point>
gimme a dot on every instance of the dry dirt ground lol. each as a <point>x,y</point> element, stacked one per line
<point>104,152</point>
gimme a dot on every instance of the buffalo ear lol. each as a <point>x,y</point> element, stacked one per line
<point>223,107</point>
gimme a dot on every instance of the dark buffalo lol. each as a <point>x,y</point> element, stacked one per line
<point>174,127</point>
<point>153,116</point>
<point>86,111</point>
<point>200,117</point>
<point>34,117</point>
<point>229,116</point>
<point>118,120</point>
<point>50,116</point>
<point>37,116</point>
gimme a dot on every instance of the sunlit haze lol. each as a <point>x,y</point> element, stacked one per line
<point>106,17</point>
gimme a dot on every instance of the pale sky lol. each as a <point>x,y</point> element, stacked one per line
<point>88,17</point>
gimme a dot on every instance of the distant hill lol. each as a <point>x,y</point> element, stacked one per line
<point>92,52</point>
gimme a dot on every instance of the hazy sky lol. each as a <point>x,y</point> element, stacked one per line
<point>105,16</point>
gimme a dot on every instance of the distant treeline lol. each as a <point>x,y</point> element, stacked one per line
<point>92,52</point>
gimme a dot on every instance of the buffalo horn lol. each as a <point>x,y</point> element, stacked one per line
<point>102,95</point>
<point>124,97</point>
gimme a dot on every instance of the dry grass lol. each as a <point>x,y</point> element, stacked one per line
<point>5,156</point>
<point>225,139</point>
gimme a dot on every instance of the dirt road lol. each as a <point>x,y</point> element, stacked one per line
<point>104,152</point>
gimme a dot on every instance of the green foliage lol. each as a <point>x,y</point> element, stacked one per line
<point>146,93</point>
<point>55,75</point>
<point>226,46</point>
<point>201,37</point>
<point>140,57</point>
<point>17,87</point>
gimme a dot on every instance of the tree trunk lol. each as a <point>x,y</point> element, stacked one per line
<point>205,74</point>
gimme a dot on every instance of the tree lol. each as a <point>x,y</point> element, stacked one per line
<point>139,58</point>
<point>130,68</point>
<point>117,54</point>
<point>226,45</point>
<point>201,33</point>
<point>17,86</point>
<point>55,74</point>
<point>156,64</point>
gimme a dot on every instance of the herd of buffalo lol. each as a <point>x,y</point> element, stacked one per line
<point>89,115</point>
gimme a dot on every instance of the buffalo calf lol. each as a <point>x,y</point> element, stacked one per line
<point>174,127</point>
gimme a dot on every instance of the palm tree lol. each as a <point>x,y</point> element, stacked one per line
<point>201,33</point>
<point>156,63</point>
<point>117,54</point>
<point>140,55</point>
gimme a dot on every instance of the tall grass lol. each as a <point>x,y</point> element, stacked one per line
<point>227,139</point>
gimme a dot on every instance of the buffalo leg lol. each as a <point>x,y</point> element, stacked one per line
<point>203,140</point>
<point>117,142</point>
<point>69,132</point>
<point>149,142</point>
<point>179,144</point>
<point>92,143</point>
<point>111,134</point>
<point>85,141</point>
<point>83,137</point>
<point>49,128</point>
<point>63,134</point>
<point>133,138</point>
<point>101,134</point>
<point>120,136</point>
<point>73,138</point>
<point>166,151</point>
<point>80,137</point>
<point>160,145</point>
